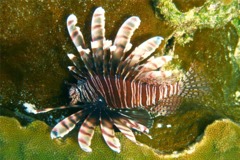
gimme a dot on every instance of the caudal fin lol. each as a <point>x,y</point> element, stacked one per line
<point>194,85</point>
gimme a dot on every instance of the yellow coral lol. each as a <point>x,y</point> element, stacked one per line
<point>220,141</point>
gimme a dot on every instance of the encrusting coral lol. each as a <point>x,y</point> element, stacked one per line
<point>212,14</point>
<point>33,141</point>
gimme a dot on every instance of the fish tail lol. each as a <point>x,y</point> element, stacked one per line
<point>194,84</point>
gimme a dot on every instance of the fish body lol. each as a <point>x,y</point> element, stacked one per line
<point>123,94</point>
<point>117,88</point>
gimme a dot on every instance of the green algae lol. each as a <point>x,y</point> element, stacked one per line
<point>220,141</point>
<point>212,14</point>
<point>186,5</point>
<point>34,42</point>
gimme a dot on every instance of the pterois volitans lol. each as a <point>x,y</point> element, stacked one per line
<point>116,89</point>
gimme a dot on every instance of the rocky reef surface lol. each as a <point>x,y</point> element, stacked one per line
<point>221,140</point>
<point>33,68</point>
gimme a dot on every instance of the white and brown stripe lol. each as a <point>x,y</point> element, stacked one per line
<point>98,24</point>
<point>122,42</point>
<point>125,130</point>
<point>66,125</point>
<point>98,38</point>
<point>108,132</point>
<point>118,89</point>
<point>86,132</point>
<point>74,31</point>
<point>121,93</point>
<point>124,35</point>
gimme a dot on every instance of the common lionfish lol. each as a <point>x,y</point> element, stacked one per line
<point>116,89</point>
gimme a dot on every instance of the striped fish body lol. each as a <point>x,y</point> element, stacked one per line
<point>124,94</point>
<point>119,89</point>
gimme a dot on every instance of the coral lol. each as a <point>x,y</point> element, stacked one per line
<point>34,142</point>
<point>212,14</point>
<point>209,34</point>
<point>220,141</point>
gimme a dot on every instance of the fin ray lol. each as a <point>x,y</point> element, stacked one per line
<point>122,41</point>
<point>98,38</point>
<point>86,131</point>
<point>193,84</point>
<point>108,133</point>
<point>66,125</point>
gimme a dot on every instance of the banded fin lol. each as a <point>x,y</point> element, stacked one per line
<point>143,51</point>
<point>124,130</point>
<point>31,108</point>
<point>86,131</point>
<point>140,53</point>
<point>79,75</point>
<point>138,127</point>
<point>74,32</point>
<point>167,106</point>
<point>130,123</point>
<point>193,84</point>
<point>98,38</point>
<point>98,25</point>
<point>122,41</point>
<point>77,38</point>
<point>66,125</point>
<point>75,61</point>
<point>77,72</point>
<point>138,115</point>
<point>151,65</point>
<point>108,132</point>
<point>155,63</point>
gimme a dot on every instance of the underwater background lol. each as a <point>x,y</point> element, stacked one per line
<point>33,68</point>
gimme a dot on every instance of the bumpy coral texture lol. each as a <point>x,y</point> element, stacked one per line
<point>18,142</point>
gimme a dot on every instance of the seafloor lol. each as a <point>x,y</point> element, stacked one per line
<point>33,68</point>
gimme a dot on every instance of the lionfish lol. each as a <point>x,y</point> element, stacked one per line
<point>116,89</point>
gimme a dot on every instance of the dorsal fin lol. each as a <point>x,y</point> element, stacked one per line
<point>122,41</point>
<point>77,38</point>
<point>140,53</point>
<point>155,63</point>
<point>98,38</point>
<point>143,51</point>
<point>74,32</point>
<point>77,72</point>
<point>75,61</point>
<point>151,64</point>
